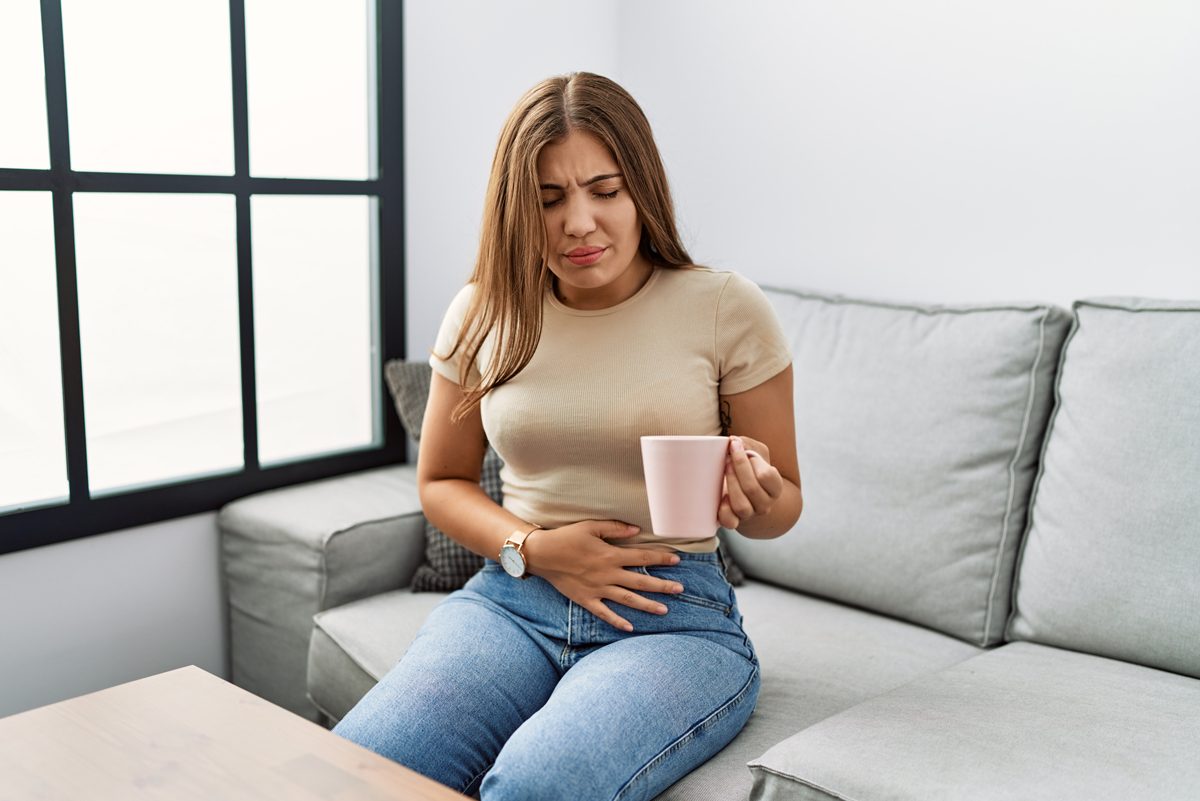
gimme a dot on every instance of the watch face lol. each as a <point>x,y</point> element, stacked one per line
<point>511,561</point>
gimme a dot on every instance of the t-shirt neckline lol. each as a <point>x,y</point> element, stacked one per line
<point>645,288</point>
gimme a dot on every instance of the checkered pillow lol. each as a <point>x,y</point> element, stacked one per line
<point>448,565</point>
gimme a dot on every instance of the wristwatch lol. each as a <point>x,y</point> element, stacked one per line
<point>511,558</point>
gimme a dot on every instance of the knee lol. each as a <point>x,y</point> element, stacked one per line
<point>519,775</point>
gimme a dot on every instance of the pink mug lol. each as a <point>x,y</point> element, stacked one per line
<point>684,484</point>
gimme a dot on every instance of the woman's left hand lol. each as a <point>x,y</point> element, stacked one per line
<point>752,485</point>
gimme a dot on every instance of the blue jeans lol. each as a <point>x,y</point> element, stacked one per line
<point>515,692</point>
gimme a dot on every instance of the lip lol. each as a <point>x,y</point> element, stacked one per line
<point>585,256</point>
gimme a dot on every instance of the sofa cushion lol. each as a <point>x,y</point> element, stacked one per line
<point>291,552</point>
<point>1023,722</point>
<point>918,432</point>
<point>448,564</point>
<point>817,657</point>
<point>1113,550</point>
<point>353,646</point>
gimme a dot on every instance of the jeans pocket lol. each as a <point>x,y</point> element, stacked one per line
<point>703,585</point>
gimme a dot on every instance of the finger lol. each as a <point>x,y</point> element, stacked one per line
<point>769,479</point>
<point>759,449</point>
<point>725,515</point>
<point>613,528</point>
<point>748,472</point>
<point>647,583</point>
<point>627,597</point>
<point>739,504</point>
<point>644,557</point>
<point>597,608</point>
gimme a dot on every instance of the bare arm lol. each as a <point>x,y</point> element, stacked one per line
<point>448,469</point>
<point>763,498</point>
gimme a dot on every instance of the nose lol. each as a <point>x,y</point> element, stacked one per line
<point>579,221</point>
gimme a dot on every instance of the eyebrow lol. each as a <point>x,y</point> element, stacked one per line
<point>588,182</point>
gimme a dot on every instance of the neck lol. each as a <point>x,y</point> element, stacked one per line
<point>619,291</point>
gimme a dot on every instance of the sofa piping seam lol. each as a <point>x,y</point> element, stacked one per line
<point>932,309</point>
<point>798,780</point>
<point>1012,479</point>
<point>1097,304</point>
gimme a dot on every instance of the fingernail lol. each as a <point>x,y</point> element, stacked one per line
<point>674,560</point>
<point>628,627</point>
<point>678,588</point>
<point>737,443</point>
<point>633,529</point>
<point>662,610</point>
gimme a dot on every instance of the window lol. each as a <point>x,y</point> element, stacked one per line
<point>201,254</point>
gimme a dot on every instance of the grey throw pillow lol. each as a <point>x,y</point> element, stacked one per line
<point>448,565</point>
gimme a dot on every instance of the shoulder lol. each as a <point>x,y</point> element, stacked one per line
<point>462,298</point>
<point>723,287</point>
<point>697,280</point>
<point>457,310</point>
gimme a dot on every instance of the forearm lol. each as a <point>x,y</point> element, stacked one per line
<point>468,516</point>
<point>777,522</point>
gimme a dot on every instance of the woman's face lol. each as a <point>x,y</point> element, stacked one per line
<point>592,227</point>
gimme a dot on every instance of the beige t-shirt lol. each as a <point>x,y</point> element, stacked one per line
<point>568,425</point>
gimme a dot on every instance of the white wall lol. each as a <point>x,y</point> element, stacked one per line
<point>87,614</point>
<point>931,149</point>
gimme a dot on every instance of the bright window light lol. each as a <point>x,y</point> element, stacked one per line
<point>315,318</point>
<point>23,138</point>
<point>158,323</point>
<point>33,460</point>
<point>310,67</point>
<point>149,86</point>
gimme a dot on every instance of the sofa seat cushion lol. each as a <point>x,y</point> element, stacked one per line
<point>1023,722</point>
<point>353,646</point>
<point>818,658</point>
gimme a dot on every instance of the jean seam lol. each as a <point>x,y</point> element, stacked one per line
<point>691,733</point>
<point>467,786</point>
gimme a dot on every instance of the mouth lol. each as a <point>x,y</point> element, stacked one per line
<point>585,256</point>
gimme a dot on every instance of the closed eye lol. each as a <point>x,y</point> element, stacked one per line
<point>605,195</point>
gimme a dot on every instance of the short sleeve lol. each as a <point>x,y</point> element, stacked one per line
<point>448,335</point>
<point>750,343</point>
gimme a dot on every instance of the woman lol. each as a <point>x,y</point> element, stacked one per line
<point>601,661</point>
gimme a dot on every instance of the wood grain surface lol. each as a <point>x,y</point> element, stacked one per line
<point>184,735</point>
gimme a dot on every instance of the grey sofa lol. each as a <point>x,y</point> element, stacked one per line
<point>993,593</point>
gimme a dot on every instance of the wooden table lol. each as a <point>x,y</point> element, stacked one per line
<point>187,734</point>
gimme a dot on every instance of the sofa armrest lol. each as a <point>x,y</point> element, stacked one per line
<point>287,554</point>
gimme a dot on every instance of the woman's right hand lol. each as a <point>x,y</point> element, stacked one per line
<point>577,561</point>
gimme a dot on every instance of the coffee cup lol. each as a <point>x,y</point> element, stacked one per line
<point>684,484</point>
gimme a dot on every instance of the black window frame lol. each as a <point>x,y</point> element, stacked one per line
<point>84,516</point>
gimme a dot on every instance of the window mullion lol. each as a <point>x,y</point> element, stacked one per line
<point>64,249</point>
<point>241,174</point>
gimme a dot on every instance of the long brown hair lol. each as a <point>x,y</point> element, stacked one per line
<point>511,277</point>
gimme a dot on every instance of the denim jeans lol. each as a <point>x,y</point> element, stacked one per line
<point>512,691</point>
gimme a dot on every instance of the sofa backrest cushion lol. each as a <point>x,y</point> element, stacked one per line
<point>918,430</point>
<point>1111,563</point>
